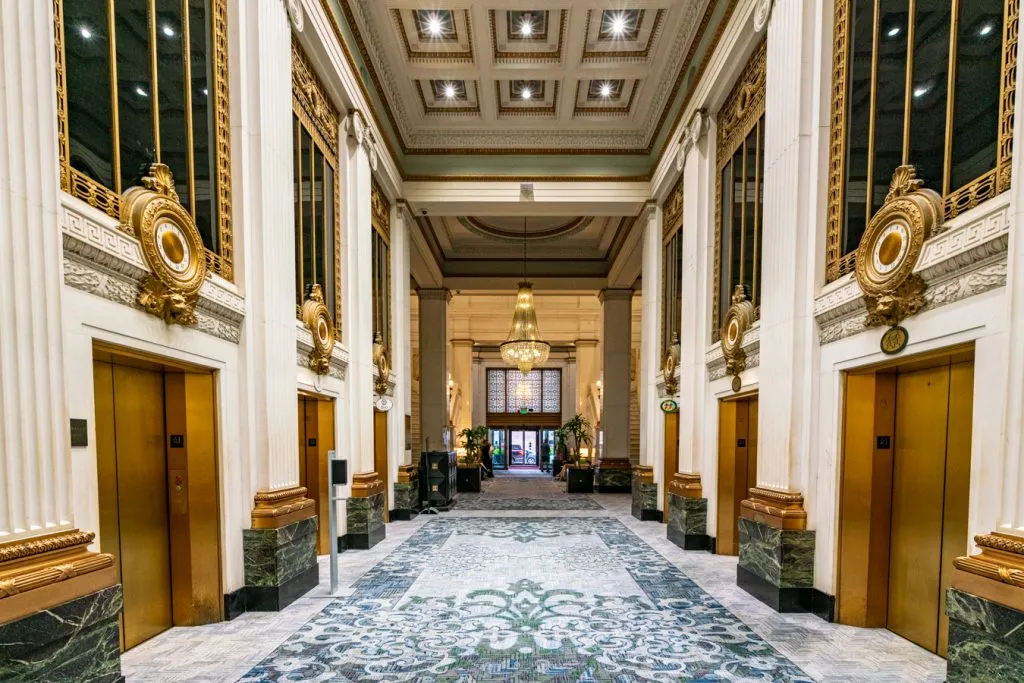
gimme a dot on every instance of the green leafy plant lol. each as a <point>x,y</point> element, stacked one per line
<point>577,433</point>
<point>473,441</point>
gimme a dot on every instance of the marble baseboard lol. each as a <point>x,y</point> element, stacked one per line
<point>234,604</point>
<point>365,521</point>
<point>691,541</point>
<point>364,541</point>
<point>779,599</point>
<point>783,558</point>
<point>78,640</point>
<point>406,499</point>
<point>687,517</point>
<point>401,515</point>
<point>986,641</point>
<point>276,560</point>
<point>647,515</point>
<point>645,500</point>
<point>276,598</point>
<point>613,481</point>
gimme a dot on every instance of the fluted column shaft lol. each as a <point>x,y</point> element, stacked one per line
<point>433,367</point>
<point>401,361</point>
<point>793,241</point>
<point>652,425</point>
<point>267,243</point>
<point>616,339</point>
<point>462,374</point>
<point>35,496</point>
<point>588,372</point>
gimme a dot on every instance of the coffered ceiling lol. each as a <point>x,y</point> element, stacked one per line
<point>460,86</point>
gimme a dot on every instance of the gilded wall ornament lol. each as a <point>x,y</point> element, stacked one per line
<point>380,361</point>
<point>317,319</point>
<point>171,246</point>
<point>738,320</point>
<point>670,365</point>
<point>890,248</point>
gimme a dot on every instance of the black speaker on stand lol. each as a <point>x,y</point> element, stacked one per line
<point>438,471</point>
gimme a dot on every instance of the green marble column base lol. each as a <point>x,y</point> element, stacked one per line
<point>688,522</point>
<point>616,480</point>
<point>986,640</point>
<point>280,565</point>
<point>365,517</point>
<point>776,566</point>
<point>645,500</point>
<point>406,496</point>
<point>78,640</point>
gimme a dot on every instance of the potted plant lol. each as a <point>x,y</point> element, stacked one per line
<point>468,476</point>
<point>581,471</point>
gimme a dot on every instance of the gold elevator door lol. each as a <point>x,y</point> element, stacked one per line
<point>931,476</point>
<point>132,467</point>
<point>737,467</point>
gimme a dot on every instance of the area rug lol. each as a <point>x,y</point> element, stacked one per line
<point>530,493</point>
<point>476,599</point>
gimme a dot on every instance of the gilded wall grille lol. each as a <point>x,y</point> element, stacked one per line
<point>316,128</point>
<point>380,211</point>
<point>119,109</point>
<point>927,84</point>
<point>671,265</point>
<point>740,149</point>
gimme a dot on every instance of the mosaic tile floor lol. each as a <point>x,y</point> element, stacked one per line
<point>528,492</point>
<point>596,596</point>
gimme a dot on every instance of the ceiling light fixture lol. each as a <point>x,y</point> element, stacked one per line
<point>526,28</point>
<point>893,32</point>
<point>434,26</point>
<point>524,347</point>
<point>449,91</point>
<point>606,90</point>
<point>921,90</point>
<point>140,92</point>
<point>85,32</point>
<point>525,93</point>
<point>168,31</point>
<point>618,25</point>
<point>985,30</point>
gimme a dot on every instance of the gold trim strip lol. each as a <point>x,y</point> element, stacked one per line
<point>366,484</point>
<point>907,104</point>
<point>154,84</point>
<point>954,41</point>
<point>777,509</point>
<point>871,115</point>
<point>186,53</point>
<point>115,110</point>
<point>686,485</point>
<point>274,509</point>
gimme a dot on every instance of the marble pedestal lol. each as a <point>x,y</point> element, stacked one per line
<point>613,476</point>
<point>406,497</point>
<point>776,566</point>
<point>78,640</point>
<point>688,523</point>
<point>986,641</point>
<point>365,517</point>
<point>645,499</point>
<point>280,565</point>
<point>467,479</point>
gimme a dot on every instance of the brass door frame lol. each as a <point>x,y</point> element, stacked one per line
<point>671,457</point>
<point>316,421</point>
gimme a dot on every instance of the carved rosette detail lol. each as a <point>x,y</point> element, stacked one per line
<point>738,320</point>
<point>317,320</point>
<point>891,246</point>
<point>762,13</point>
<point>171,246</point>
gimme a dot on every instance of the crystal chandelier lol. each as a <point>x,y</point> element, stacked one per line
<point>524,348</point>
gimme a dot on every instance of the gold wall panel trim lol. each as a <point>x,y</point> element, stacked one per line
<point>80,186</point>
<point>407,474</point>
<point>366,484</point>
<point>644,474</point>
<point>955,202</point>
<point>1001,559</point>
<point>275,509</point>
<point>686,485</point>
<point>778,509</point>
<point>310,98</point>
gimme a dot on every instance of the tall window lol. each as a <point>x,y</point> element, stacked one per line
<point>509,391</point>
<point>672,267</point>
<point>740,188</point>
<point>316,195</point>
<point>144,81</point>
<point>381,211</point>
<point>929,83</point>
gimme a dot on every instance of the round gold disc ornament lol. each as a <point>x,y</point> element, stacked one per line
<point>894,340</point>
<point>738,320</point>
<point>737,383</point>
<point>317,320</point>
<point>893,241</point>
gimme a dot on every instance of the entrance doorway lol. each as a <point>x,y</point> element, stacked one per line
<point>316,440</point>
<point>737,466</point>
<point>522,447</point>
<point>158,492</point>
<point>904,493</point>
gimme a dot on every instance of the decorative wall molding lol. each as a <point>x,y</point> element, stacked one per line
<point>105,261</point>
<point>714,359</point>
<point>304,345</point>
<point>762,13</point>
<point>968,257</point>
<point>659,382</point>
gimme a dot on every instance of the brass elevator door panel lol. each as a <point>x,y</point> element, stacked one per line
<point>915,546</point>
<point>751,479</point>
<point>144,556</point>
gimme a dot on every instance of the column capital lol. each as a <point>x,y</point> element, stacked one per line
<point>463,342</point>
<point>615,294</point>
<point>435,294</point>
<point>762,13</point>
<point>650,212</point>
<point>295,14</point>
<point>693,133</point>
<point>586,343</point>
<point>356,128</point>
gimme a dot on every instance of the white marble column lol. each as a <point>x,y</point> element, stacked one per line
<point>357,274</point>
<point>433,320</point>
<point>569,389</point>
<point>616,339</point>
<point>35,462</point>
<point>652,425</point>
<point>588,374</point>
<point>462,374</point>
<point>793,239</point>
<point>266,243</point>
<point>401,363</point>
<point>479,391</point>
<point>697,164</point>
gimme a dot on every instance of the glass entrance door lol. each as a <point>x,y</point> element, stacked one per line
<point>499,448</point>
<point>522,449</point>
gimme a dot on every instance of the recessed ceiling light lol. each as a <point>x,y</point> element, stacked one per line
<point>85,32</point>
<point>921,90</point>
<point>618,24</point>
<point>434,26</point>
<point>606,90</point>
<point>986,29</point>
<point>140,92</point>
<point>893,32</point>
<point>206,91</point>
<point>168,31</point>
<point>449,91</point>
<point>525,94</point>
<point>526,28</point>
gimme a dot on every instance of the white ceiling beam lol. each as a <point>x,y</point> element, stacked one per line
<point>502,198</point>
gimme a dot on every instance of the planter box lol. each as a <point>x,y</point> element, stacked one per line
<point>468,479</point>
<point>556,467</point>
<point>581,480</point>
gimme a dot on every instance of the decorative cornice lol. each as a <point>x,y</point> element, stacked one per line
<point>366,484</point>
<point>102,260</point>
<point>968,257</point>
<point>686,485</point>
<point>778,509</point>
<point>278,508</point>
